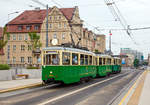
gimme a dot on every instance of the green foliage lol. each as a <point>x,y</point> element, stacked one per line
<point>136,63</point>
<point>96,51</point>
<point>145,63</point>
<point>34,41</point>
<point>4,67</point>
<point>31,67</point>
<point>3,40</point>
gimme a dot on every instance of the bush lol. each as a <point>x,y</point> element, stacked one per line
<point>32,67</point>
<point>4,67</point>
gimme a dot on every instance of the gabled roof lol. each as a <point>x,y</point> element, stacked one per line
<point>38,16</point>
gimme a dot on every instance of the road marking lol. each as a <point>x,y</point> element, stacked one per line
<point>59,97</point>
<point>133,86</point>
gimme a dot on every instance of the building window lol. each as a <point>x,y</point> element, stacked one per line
<point>14,47</point>
<point>14,59</point>
<point>50,25</point>
<point>36,27</point>
<point>63,36</point>
<point>29,60</point>
<point>22,47</point>
<point>55,36</point>
<point>20,27</point>
<point>59,17</point>
<point>29,47</point>
<point>59,25</point>
<point>50,18</point>
<point>55,17</point>
<point>64,25</point>
<point>22,59</point>
<point>83,34</point>
<point>14,37</point>
<point>20,37</point>
<point>8,47</point>
<point>26,37</point>
<point>28,27</point>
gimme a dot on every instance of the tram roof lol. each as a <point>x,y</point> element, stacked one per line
<point>103,55</point>
<point>69,49</point>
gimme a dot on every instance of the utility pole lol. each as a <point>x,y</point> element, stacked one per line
<point>40,3</point>
<point>47,25</point>
<point>110,34</point>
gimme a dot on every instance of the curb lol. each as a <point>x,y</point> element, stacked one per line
<point>21,87</point>
<point>131,90</point>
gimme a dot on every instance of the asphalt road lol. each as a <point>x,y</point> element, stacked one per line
<point>99,91</point>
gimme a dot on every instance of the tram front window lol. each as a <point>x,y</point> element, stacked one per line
<point>51,59</point>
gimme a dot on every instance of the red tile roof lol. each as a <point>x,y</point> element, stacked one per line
<point>34,17</point>
<point>37,16</point>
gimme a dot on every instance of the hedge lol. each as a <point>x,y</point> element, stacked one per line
<point>4,67</point>
<point>32,67</point>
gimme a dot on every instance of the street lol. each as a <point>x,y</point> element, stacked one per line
<point>99,91</point>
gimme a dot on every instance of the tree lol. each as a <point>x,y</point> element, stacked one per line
<point>136,63</point>
<point>3,40</point>
<point>34,44</point>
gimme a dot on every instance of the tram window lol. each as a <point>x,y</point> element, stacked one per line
<point>74,59</point>
<point>55,59</point>
<point>96,61</point>
<point>100,61</point>
<point>86,60</point>
<point>81,59</point>
<point>104,61</point>
<point>66,58</point>
<point>51,59</point>
<point>90,60</point>
<point>109,61</point>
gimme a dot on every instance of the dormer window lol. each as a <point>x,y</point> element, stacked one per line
<point>20,27</point>
<point>28,27</point>
<point>36,27</point>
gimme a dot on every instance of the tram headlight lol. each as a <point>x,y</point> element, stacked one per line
<point>51,72</point>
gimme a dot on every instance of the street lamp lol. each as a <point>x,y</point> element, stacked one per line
<point>9,16</point>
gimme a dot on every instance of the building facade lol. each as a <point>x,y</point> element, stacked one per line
<point>64,24</point>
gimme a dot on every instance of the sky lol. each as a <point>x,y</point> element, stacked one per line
<point>95,13</point>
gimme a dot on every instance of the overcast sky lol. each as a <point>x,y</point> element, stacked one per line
<point>97,14</point>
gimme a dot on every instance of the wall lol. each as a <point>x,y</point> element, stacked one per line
<point>5,75</point>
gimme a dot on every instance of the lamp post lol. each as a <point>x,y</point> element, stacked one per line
<point>9,16</point>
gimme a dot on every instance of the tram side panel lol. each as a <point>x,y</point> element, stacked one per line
<point>67,74</point>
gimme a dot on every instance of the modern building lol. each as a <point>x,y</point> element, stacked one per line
<point>64,25</point>
<point>135,53</point>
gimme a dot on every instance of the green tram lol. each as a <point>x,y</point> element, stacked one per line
<point>69,65</point>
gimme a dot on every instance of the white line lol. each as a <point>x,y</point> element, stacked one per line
<point>59,97</point>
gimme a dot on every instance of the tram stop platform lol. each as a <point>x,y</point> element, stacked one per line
<point>139,92</point>
<point>7,86</point>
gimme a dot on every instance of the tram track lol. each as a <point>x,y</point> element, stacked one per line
<point>53,92</point>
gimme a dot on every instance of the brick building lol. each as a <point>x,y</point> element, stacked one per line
<point>61,23</point>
